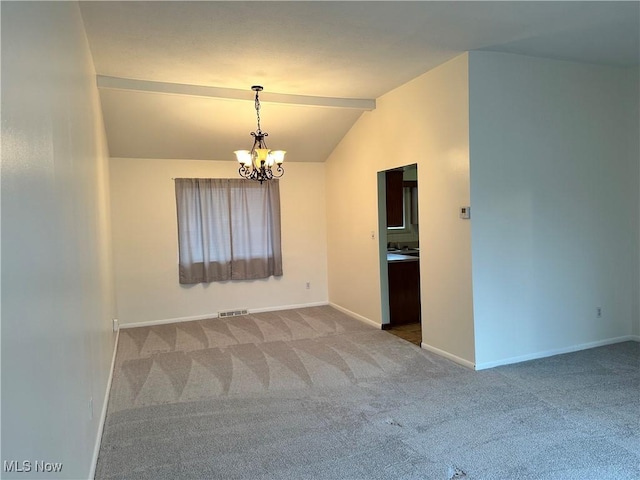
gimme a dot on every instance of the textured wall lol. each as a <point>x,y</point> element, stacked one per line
<point>57,298</point>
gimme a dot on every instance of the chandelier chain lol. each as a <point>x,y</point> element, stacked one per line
<point>257,103</point>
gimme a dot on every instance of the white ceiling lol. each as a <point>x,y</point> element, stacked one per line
<point>326,49</point>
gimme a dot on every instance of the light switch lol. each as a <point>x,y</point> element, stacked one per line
<point>465,213</point>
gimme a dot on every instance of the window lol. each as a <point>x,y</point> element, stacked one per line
<point>228,229</point>
<point>409,211</point>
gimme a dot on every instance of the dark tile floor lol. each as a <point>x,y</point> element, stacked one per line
<point>411,332</point>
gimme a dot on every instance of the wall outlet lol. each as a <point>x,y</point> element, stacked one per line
<point>115,325</point>
<point>308,285</point>
<point>598,312</point>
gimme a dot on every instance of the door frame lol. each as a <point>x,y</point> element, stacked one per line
<point>382,245</point>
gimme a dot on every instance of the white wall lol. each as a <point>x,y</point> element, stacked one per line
<point>554,190</point>
<point>57,297</point>
<point>426,122</point>
<point>146,243</point>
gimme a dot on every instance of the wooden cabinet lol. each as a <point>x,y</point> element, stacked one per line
<point>395,209</point>
<point>404,292</point>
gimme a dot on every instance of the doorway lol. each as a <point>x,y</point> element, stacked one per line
<point>400,252</point>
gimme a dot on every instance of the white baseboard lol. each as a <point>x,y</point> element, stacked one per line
<point>288,307</point>
<point>150,323</point>
<point>103,414</point>
<point>450,356</point>
<point>355,315</point>
<point>558,351</point>
<point>163,321</point>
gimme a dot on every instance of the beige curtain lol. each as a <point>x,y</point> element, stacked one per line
<point>228,229</point>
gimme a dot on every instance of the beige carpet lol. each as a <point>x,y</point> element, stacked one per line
<point>314,394</point>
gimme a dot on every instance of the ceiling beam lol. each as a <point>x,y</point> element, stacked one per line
<point>117,83</point>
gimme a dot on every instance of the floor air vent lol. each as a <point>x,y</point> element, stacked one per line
<point>232,313</point>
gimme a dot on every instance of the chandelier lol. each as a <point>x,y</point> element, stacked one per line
<point>258,164</point>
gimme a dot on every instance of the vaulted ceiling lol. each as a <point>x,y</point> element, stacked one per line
<point>175,77</point>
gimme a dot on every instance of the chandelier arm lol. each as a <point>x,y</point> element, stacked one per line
<point>279,170</point>
<point>244,172</point>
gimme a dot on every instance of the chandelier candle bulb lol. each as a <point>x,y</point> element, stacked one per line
<point>258,163</point>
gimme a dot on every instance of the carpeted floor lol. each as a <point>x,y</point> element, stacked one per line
<point>314,394</point>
